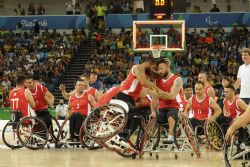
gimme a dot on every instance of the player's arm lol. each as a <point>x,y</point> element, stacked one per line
<point>216,108</point>
<point>239,122</point>
<point>140,75</point>
<point>224,111</point>
<point>65,94</point>
<point>237,83</point>
<point>188,107</point>
<point>91,100</point>
<point>174,90</point>
<point>154,101</point>
<point>30,98</point>
<point>69,111</point>
<point>211,92</point>
<point>241,104</point>
<point>49,97</point>
<point>98,94</point>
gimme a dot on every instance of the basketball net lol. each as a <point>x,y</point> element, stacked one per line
<point>156,50</point>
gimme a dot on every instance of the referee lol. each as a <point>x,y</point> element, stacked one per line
<point>243,77</point>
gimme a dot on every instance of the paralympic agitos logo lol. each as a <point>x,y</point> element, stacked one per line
<point>210,21</point>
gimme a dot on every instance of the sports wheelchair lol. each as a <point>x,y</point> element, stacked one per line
<point>82,140</point>
<point>29,132</point>
<point>211,134</point>
<point>105,122</point>
<point>184,139</point>
<point>237,149</point>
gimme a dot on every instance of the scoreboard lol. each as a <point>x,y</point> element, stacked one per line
<point>161,9</point>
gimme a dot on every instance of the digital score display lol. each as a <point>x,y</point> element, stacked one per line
<point>161,9</point>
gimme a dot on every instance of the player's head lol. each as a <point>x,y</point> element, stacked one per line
<point>199,88</point>
<point>30,83</point>
<point>20,80</point>
<point>202,77</point>
<point>79,85</point>
<point>93,76</point>
<point>163,67</point>
<point>226,81</point>
<point>85,79</point>
<point>229,92</point>
<point>188,90</point>
<point>245,54</point>
<point>150,65</point>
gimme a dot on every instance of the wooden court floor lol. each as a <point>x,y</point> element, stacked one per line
<point>102,158</point>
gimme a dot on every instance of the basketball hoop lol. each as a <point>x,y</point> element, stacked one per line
<point>156,50</point>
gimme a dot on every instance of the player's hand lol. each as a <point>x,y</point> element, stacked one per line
<point>230,132</point>
<point>153,92</point>
<point>152,115</point>
<point>210,119</point>
<point>62,87</point>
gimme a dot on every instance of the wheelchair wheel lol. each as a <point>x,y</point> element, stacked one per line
<point>54,130</point>
<point>32,133</point>
<point>148,132</point>
<point>191,136</point>
<point>9,135</point>
<point>88,142</point>
<point>214,135</point>
<point>105,121</point>
<point>63,133</point>
<point>237,150</point>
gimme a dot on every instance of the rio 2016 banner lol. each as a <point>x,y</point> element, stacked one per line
<point>50,22</point>
<point>191,20</point>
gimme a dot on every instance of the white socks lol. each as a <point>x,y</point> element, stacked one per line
<point>170,137</point>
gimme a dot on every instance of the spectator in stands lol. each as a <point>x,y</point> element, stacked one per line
<point>31,9</point>
<point>94,82</point>
<point>100,11</point>
<point>215,8</point>
<point>6,83</point>
<point>61,110</point>
<point>40,9</point>
<point>69,7</point>
<point>197,9</point>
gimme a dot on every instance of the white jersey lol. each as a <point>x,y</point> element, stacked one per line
<point>244,75</point>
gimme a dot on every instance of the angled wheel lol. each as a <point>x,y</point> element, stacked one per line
<point>147,135</point>
<point>32,133</point>
<point>88,142</point>
<point>191,136</point>
<point>214,135</point>
<point>105,121</point>
<point>63,133</point>
<point>54,130</point>
<point>237,149</point>
<point>9,135</point>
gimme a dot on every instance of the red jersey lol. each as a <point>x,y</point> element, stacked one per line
<point>18,101</point>
<point>232,110</point>
<point>38,95</point>
<point>166,86</point>
<point>80,103</point>
<point>92,91</point>
<point>131,86</point>
<point>147,102</point>
<point>183,103</point>
<point>201,108</point>
<point>207,88</point>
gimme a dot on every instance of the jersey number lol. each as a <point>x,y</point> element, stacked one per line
<point>199,111</point>
<point>15,103</point>
<point>78,106</point>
